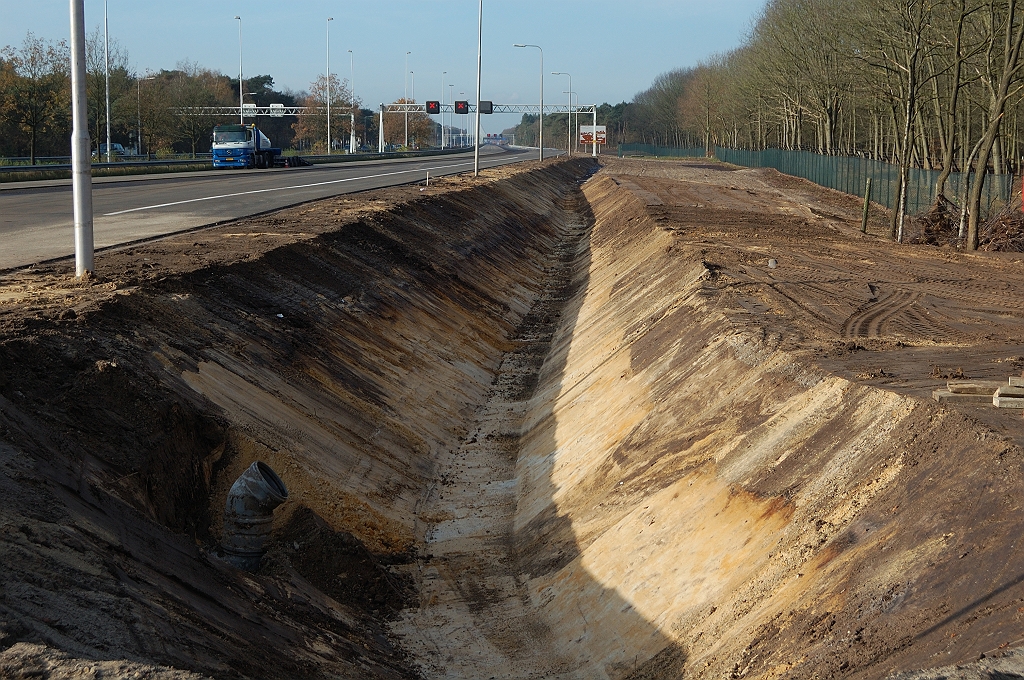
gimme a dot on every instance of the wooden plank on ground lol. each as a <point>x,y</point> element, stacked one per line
<point>974,386</point>
<point>945,396</point>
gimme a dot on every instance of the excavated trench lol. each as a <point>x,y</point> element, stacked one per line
<point>527,430</point>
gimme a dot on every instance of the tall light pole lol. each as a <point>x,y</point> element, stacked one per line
<point>106,70</point>
<point>241,118</point>
<point>479,63</point>
<point>329,20</point>
<point>465,125</point>
<point>541,135</point>
<point>138,110</point>
<point>406,98</point>
<point>443,74</point>
<point>81,172</point>
<point>568,140</point>
<point>574,94</point>
<point>412,78</point>
<point>451,116</point>
<point>352,91</point>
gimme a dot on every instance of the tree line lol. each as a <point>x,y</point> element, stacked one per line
<point>932,84</point>
<point>146,110</point>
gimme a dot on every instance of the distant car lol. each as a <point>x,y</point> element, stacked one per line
<point>115,150</point>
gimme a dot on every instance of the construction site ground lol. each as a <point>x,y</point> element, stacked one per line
<point>635,419</point>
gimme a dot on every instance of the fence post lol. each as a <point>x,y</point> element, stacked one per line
<point>867,204</point>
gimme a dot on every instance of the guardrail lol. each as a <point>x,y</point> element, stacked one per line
<point>350,157</point>
<point>201,160</point>
<point>54,167</point>
<point>16,161</point>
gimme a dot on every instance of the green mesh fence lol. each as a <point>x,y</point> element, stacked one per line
<point>850,174</point>
<point>660,151</point>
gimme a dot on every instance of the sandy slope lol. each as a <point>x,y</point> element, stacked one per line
<point>532,429</point>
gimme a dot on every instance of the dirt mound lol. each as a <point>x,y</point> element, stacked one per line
<point>26,661</point>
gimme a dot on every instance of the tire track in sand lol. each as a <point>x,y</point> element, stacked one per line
<point>867,321</point>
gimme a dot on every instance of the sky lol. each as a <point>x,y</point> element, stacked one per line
<point>612,49</point>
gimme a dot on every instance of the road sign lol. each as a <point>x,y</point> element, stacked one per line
<point>587,134</point>
<point>433,107</point>
<point>277,110</point>
<point>461,107</point>
<point>249,110</point>
<point>486,107</point>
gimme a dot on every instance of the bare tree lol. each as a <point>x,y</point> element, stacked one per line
<point>954,18</point>
<point>1003,64</point>
<point>122,105</point>
<point>702,101</point>
<point>801,40</point>
<point>898,47</point>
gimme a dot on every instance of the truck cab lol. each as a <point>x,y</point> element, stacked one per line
<point>242,146</point>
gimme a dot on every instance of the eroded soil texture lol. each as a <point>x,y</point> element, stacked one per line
<point>672,419</point>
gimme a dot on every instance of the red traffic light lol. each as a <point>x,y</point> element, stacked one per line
<point>461,107</point>
<point>433,107</point>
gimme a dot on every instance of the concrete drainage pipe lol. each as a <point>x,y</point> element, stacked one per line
<point>248,514</point>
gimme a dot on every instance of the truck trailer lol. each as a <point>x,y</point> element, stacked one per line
<point>242,146</point>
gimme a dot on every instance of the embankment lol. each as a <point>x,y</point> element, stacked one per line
<point>694,496</point>
<point>344,353</point>
<point>530,430</point>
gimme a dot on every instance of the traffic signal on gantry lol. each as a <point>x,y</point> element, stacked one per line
<point>461,107</point>
<point>433,107</point>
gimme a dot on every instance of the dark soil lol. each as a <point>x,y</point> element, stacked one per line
<point>114,470</point>
<point>338,563</point>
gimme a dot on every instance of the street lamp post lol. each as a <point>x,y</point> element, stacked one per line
<point>465,125</point>
<point>138,110</point>
<point>81,172</point>
<point>479,66</point>
<point>329,20</point>
<point>568,140</point>
<point>575,94</point>
<point>352,92</point>
<point>541,134</point>
<point>106,70</point>
<point>241,118</point>
<point>443,73</point>
<point>406,98</point>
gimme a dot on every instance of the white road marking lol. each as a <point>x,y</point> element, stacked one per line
<point>297,186</point>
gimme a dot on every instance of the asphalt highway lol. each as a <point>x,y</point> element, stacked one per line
<point>36,222</point>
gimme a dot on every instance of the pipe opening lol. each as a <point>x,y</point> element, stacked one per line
<point>249,515</point>
<point>275,486</point>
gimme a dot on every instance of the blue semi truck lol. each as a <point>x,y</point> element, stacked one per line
<point>242,146</point>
